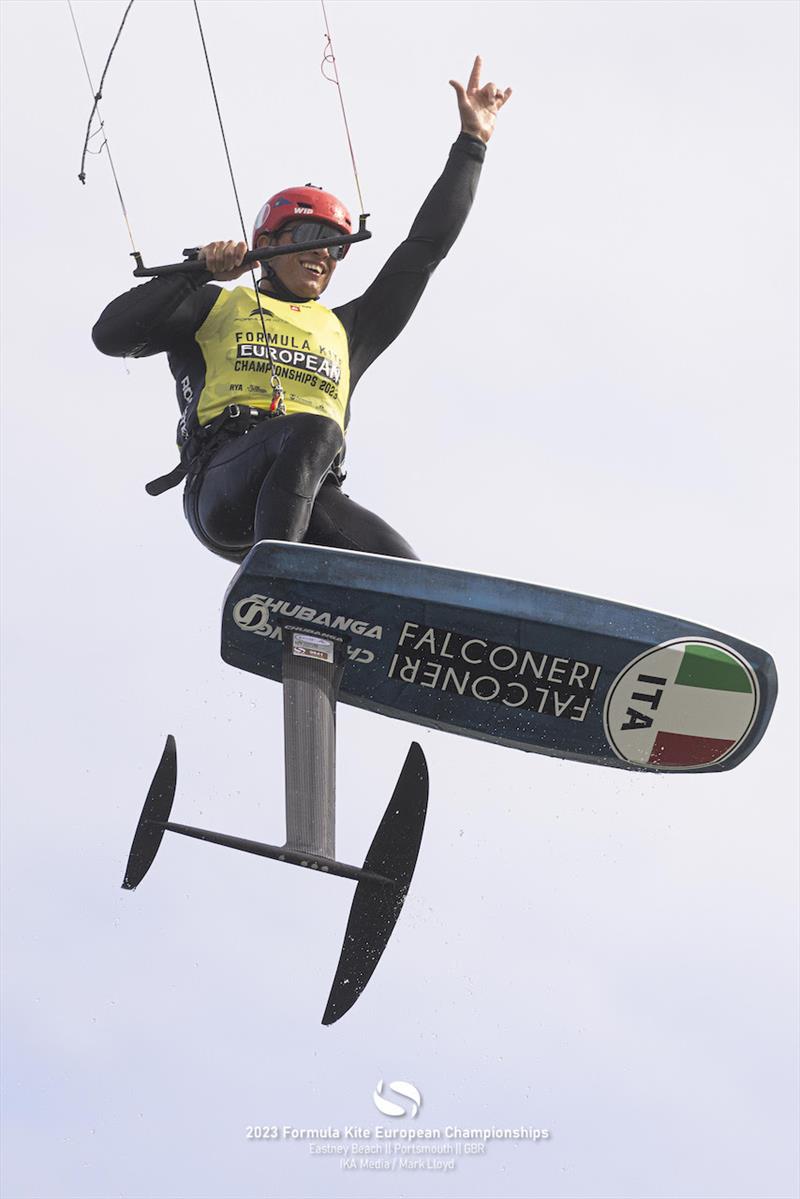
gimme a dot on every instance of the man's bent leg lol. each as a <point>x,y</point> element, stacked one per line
<point>339,522</point>
<point>236,500</point>
<point>286,497</point>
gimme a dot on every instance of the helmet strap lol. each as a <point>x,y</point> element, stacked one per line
<point>277,287</point>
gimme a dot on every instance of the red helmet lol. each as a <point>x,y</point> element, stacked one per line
<point>301,203</point>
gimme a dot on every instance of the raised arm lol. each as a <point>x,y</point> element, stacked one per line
<point>375,319</point>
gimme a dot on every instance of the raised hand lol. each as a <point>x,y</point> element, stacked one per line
<point>478,106</point>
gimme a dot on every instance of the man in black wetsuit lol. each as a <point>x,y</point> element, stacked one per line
<point>264,381</point>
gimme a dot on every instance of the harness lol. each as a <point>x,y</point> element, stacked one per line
<point>201,445</point>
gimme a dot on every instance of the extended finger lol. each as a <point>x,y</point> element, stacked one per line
<point>475,74</point>
<point>462,95</point>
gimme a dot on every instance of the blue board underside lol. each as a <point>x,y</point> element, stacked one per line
<point>524,666</point>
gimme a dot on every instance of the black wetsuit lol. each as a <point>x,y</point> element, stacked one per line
<point>275,481</point>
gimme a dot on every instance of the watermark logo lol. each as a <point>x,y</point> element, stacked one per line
<point>388,1108</point>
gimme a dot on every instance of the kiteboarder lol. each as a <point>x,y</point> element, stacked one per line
<point>264,381</point>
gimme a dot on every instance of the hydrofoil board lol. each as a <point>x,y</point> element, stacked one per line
<point>527,667</point>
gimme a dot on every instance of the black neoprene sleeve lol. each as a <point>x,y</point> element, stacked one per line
<point>156,316</point>
<point>375,319</point>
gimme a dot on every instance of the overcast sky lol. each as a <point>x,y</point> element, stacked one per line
<point>598,392</point>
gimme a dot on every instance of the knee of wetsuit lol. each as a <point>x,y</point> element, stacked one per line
<point>309,454</point>
<point>326,437</point>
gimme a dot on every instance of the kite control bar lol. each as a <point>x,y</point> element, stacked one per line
<point>194,265</point>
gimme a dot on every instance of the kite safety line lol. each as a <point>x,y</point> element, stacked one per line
<point>98,95</point>
<point>277,405</point>
<point>260,254</point>
<point>330,57</point>
<point>221,126</point>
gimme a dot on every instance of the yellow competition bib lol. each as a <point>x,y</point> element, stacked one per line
<point>309,352</point>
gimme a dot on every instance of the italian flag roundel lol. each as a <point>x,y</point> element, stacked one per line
<point>681,706</point>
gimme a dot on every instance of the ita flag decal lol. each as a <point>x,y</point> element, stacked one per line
<point>681,706</point>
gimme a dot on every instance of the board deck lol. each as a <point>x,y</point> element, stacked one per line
<point>525,666</point>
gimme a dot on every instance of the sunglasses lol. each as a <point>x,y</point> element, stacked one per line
<point>316,231</point>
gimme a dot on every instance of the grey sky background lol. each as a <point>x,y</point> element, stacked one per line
<point>598,393</point>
